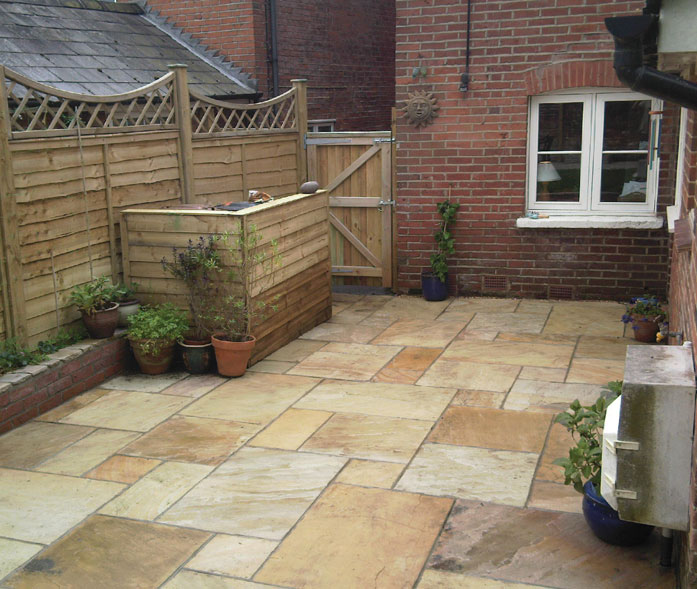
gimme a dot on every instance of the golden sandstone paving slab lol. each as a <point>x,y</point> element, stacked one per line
<point>457,373</point>
<point>388,400</point>
<point>432,579</point>
<point>31,444</point>
<point>417,332</point>
<point>110,552</point>
<point>502,352</point>
<point>346,361</point>
<point>356,537</point>
<point>291,429</point>
<point>123,469</point>
<point>408,366</point>
<point>236,556</point>
<point>192,439</point>
<point>369,473</point>
<point>40,507</point>
<point>367,436</point>
<point>257,492</point>
<point>14,553</point>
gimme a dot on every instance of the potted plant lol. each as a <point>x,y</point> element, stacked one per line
<point>434,283</point>
<point>235,309</point>
<point>198,266</point>
<point>153,332</point>
<point>124,295</point>
<point>646,315</point>
<point>96,302</point>
<point>583,466</point>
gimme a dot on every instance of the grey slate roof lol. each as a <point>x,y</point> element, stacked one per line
<point>97,47</point>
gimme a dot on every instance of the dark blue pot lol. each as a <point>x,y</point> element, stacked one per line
<point>432,288</point>
<point>606,523</point>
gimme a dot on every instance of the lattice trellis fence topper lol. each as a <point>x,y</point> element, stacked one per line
<point>210,116</point>
<point>36,109</point>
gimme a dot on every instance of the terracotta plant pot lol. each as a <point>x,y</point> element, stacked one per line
<point>102,324</point>
<point>153,363</point>
<point>645,328</point>
<point>197,356</point>
<point>232,357</point>
<point>127,308</point>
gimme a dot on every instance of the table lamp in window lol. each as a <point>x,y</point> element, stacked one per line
<point>546,173</point>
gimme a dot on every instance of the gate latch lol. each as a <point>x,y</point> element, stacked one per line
<point>382,203</point>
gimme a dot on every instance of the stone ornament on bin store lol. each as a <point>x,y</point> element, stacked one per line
<point>420,108</point>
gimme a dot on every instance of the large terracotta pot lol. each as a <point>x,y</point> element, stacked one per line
<point>645,328</point>
<point>232,357</point>
<point>153,363</point>
<point>102,324</point>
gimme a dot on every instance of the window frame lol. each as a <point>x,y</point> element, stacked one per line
<point>589,203</point>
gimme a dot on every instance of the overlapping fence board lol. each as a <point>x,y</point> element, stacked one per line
<point>299,287</point>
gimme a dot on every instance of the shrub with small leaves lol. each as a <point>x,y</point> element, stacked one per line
<point>445,241</point>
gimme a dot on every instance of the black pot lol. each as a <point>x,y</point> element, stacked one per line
<point>197,358</point>
<point>432,287</point>
<point>606,524</point>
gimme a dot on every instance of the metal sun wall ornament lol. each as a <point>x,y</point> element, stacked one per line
<point>420,108</point>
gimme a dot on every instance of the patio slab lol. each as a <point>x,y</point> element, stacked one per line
<point>34,442</point>
<point>122,553</point>
<point>408,366</point>
<point>417,332</point>
<point>457,373</point>
<point>351,525</point>
<point>346,361</point>
<point>236,556</point>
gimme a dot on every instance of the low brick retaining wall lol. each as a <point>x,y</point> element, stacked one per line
<point>35,389</point>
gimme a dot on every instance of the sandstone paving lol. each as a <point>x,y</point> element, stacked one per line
<point>258,492</point>
<point>499,476</point>
<point>367,436</point>
<point>127,410</point>
<point>258,398</point>
<point>120,553</point>
<point>417,332</point>
<point>492,428</point>
<point>291,429</point>
<point>342,332</point>
<point>539,547</point>
<point>300,473</point>
<point>31,444</point>
<point>350,526</point>
<point>40,507</point>
<point>385,399</point>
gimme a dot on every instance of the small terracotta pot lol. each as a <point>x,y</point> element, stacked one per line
<point>102,324</point>
<point>232,357</point>
<point>645,328</point>
<point>153,363</point>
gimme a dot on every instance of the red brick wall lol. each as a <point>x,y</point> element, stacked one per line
<point>344,49</point>
<point>475,151</point>
<point>60,382</point>
<point>683,310</point>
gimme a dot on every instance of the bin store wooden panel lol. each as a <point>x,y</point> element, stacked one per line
<point>300,286</point>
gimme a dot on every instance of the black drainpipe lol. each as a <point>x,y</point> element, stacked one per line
<point>632,34</point>
<point>272,45</point>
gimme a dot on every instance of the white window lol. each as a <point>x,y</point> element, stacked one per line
<point>593,153</point>
<point>321,125</point>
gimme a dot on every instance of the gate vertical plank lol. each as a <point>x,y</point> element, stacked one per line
<point>386,194</point>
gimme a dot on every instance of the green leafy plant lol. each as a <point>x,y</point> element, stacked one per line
<point>94,296</point>
<point>157,326</point>
<point>646,308</point>
<point>198,265</point>
<point>125,292</point>
<point>13,356</point>
<point>445,242</point>
<point>585,422</point>
<point>236,304</point>
<point>62,339</point>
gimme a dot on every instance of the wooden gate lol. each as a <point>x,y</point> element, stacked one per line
<point>356,170</point>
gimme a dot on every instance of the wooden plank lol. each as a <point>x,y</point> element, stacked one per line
<point>125,247</point>
<point>300,87</point>
<point>13,292</point>
<point>347,172</point>
<point>386,233</point>
<point>351,238</point>
<point>60,190</point>
<point>356,271</point>
<point>354,201</point>
<point>43,211</point>
<point>66,142</point>
<point>57,158</point>
<point>110,216</point>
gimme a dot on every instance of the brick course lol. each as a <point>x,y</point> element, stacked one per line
<point>344,49</point>
<point>475,151</point>
<point>60,381</point>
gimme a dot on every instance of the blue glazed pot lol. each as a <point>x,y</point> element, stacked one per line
<point>606,524</point>
<point>432,288</point>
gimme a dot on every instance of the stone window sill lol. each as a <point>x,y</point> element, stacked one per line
<point>591,222</point>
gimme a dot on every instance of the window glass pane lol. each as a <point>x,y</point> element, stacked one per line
<point>626,125</point>
<point>559,177</point>
<point>623,177</point>
<point>561,126</point>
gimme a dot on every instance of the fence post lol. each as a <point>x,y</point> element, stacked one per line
<point>183,108</point>
<point>301,122</point>
<point>12,281</point>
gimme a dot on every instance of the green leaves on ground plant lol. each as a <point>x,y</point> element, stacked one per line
<point>157,326</point>
<point>445,242</point>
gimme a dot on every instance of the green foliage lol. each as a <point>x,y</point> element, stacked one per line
<point>585,424</point>
<point>234,305</point>
<point>198,265</point>
<point>125,292</point>
<point>157,326</point>
<point>646,306</point>
<point>445,241</point>
<point>13,356</point>
<point>94,296</point>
